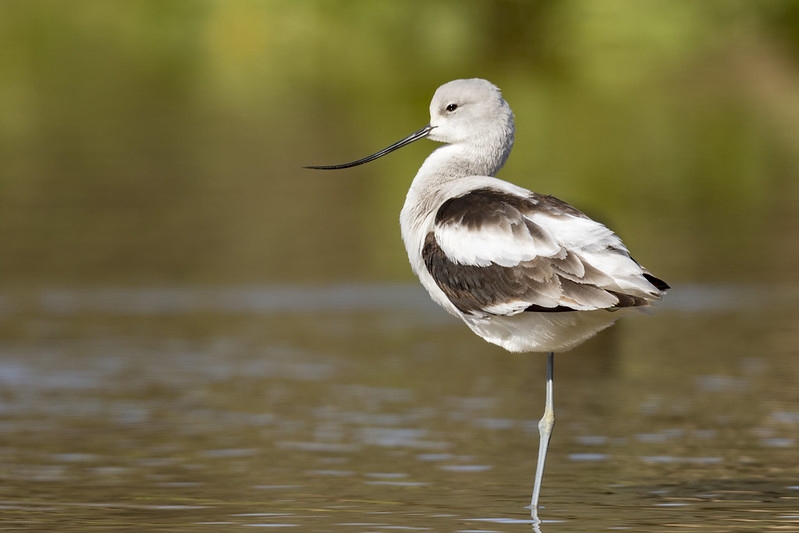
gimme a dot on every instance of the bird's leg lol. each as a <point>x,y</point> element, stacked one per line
<point>545,426</point>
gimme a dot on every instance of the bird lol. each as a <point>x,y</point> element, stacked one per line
<point>523,270</point>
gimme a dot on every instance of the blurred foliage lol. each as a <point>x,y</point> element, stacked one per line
<point>162,142</point>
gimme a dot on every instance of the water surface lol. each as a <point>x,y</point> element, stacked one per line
<point>187,409</point>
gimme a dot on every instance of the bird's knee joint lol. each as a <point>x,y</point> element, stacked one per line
<point>547,422</point>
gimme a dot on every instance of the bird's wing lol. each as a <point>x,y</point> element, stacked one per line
<point>494,252</point>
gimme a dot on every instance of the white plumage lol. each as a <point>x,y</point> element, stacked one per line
<point>524,271</point>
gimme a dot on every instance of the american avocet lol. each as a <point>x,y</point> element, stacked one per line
<point>523,270</point>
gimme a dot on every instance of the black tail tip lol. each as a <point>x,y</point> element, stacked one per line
<point>657,282</point>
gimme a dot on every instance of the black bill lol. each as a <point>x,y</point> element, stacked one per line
<point>424,132</point>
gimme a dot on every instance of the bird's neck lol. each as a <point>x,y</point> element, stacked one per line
<point>446,164</point>
<point>453,161</point>
<point>433,185</point>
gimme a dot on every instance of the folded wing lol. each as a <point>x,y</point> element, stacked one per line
<point>497,253</point>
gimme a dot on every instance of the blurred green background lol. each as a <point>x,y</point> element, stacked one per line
<point>161,142</point>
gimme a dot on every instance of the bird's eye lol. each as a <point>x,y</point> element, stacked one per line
<point>452,107</point>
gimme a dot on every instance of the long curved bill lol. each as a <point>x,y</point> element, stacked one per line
<point>422,133</point>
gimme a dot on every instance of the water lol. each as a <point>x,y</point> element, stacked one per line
<point>189,409</point>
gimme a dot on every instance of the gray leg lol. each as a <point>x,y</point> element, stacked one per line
<point>545,426</point>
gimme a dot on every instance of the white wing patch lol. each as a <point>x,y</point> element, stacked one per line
<point>506,244</point>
